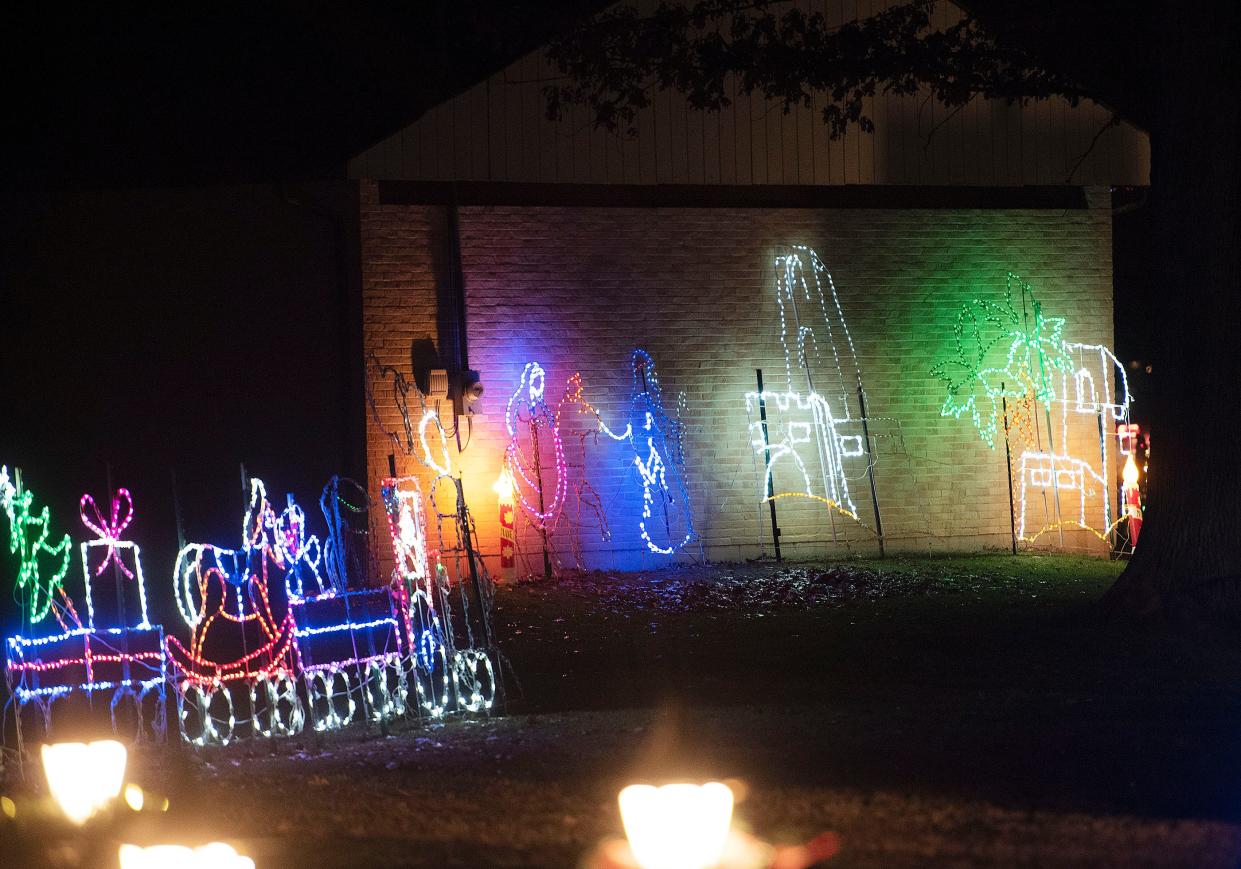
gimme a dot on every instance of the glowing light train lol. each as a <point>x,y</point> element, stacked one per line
<point>332,654</point>
<point>354,651</point>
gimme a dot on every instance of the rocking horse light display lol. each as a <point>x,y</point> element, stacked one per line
<point>113,653</point>
<point>236,638</point>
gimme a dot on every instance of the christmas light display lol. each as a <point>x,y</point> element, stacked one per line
<point>418,591</point>
<point>445,678</point>
<point>28,540</point>
<point>120,655</point>
<point>300,554</point>
<point>109,533</point>
<point>347,551</point>
<point>1092,386</point>
<point>659,449</point>
<point>223,596</point>
<point>528,408</point>
<point>1069,381</point>
<point>815,431</point>
<point>657,440</point>
<point>1036,355</point>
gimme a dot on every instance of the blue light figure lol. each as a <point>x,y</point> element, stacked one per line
<point>659,455</point>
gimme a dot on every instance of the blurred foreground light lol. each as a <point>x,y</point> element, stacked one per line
<point>8,807</point>
<point>217,855</point>
<point>678,826</point>
<point>84,777</point>
<point>134,797</point>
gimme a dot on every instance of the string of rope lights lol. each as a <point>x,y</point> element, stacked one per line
<point>816,437</point>
<point>112,652</point>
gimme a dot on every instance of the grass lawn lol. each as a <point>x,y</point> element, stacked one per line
<point>955,712</point>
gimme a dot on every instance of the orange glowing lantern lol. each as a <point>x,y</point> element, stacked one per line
<point>1133,499</point>
<point>503,488</point>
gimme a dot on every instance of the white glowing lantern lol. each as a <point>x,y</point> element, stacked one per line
<point>84,777</point>
<point>678,826</point>
<point>216,855</point>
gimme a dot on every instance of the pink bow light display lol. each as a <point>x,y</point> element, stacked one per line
<point>109,531</point>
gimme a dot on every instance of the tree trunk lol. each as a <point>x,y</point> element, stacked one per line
<point>1188,563</point>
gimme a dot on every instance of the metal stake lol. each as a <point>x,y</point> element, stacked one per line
<point>771,500</point>
<point>1008,465</point>
<point>870,467</point>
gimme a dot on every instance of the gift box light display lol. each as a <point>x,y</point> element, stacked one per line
<point>114,650</point>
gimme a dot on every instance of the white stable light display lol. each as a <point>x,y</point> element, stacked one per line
<point>817,420</point>
<point>1087,391</point>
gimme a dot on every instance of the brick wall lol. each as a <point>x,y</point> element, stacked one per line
<point>577,289</point>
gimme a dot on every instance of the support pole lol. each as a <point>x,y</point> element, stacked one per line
<point>1008,466</point>
<point>870,467</point>
<point>1107,488</point>
<point>467,527</point>
<point>771,501</point>
<point>126,675</point>
<point>538,478</point>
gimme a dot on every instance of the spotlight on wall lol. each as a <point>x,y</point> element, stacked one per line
<point>471,391</point>
<point>84,777</point>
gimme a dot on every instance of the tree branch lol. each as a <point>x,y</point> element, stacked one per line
<point>1113,121</point>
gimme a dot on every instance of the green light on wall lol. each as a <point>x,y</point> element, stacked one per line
<point>977,390</point>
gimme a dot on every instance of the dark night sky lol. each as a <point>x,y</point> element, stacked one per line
<point>178,299</point>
